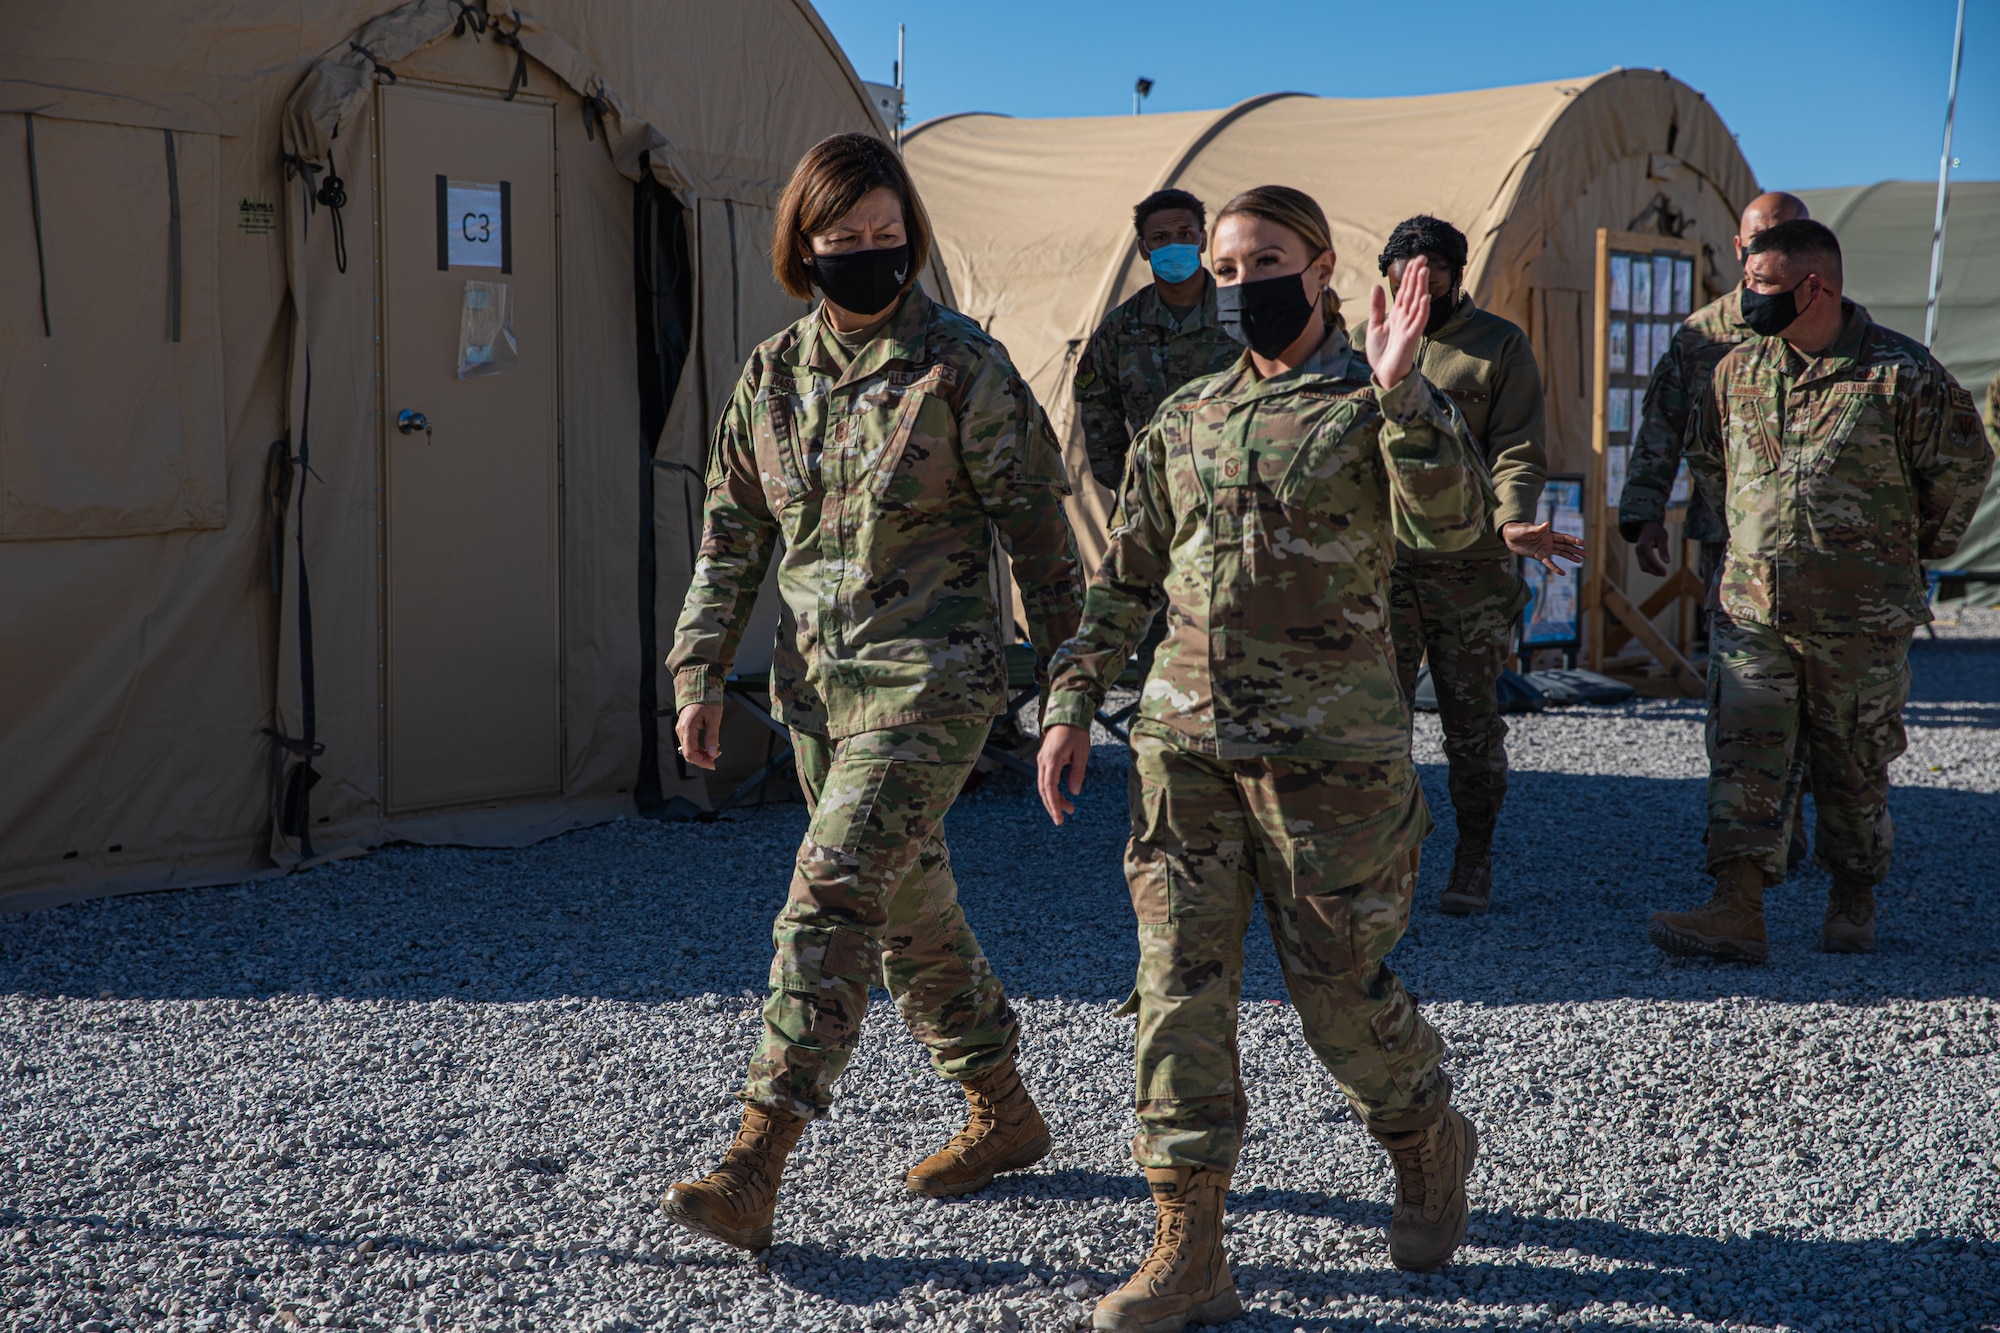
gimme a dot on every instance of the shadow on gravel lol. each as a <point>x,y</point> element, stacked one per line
<point>1842,1284</point>
<point>642,911</point>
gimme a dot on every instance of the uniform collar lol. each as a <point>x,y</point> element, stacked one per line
<point>1201,317</point>
<point>1335,359</point>
<point>1732,310</point>
<point>901,338</point>
<point>1838,356</point>
<point>1460,315</point>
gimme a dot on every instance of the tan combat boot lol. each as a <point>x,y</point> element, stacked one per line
<point>1469,892</point>
<point>1003,1133</point>
<point>1850,917</point>
<point>1186,1279</point>
<point>1431,1205</point>
<point>734,1203</point>
<point>1730,927</point>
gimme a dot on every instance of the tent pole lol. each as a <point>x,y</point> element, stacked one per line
<point>1944,181</point>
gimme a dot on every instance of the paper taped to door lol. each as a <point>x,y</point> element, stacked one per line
<point>486,330</point>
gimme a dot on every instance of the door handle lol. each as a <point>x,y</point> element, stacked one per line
<point>410,423</point>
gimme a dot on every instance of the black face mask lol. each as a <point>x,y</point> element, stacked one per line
<point>1771,313</point>
<point>865,282</point>
<point>1442,309</point>
<point>1267,315</point>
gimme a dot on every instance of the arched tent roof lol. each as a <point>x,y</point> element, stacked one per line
<point>1034,216</point>
<point>145,514</point>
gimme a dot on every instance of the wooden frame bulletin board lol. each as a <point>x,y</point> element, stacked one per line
<point>1631,267</point>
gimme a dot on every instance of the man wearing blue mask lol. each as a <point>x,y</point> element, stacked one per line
<point>1155,342</point>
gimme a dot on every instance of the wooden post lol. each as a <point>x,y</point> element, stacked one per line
<point>1592,600</point>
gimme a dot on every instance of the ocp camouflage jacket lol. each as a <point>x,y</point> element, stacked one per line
<point>1135,359</point>
<point>883,481</point>
<point>1678,381</point>
<point>1485,365</point>
<point>1836,475</point>
<point>1265,513</point>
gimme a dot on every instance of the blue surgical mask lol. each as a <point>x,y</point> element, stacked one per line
<point>1175,263</point>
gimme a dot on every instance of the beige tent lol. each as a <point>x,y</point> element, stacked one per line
<point>1035,215</point>
<point>245,620</point>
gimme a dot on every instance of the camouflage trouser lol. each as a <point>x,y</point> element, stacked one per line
<point>1840,696</point>
<point>1334,848</point>
<point>1461,612</point>
<point>873,900</point>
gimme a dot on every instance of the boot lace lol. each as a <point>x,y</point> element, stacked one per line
<point>1169,1234</point>
<point>745,1168</point>
<point>1415,1165</point>
<point>977,1126</point>
<point>1851,904</point>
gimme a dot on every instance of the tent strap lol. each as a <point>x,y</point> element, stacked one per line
<point>295,804</point>
<point>333,193</point>
<point>504,37</point>
<point>173,238</point>
<point>35,203</point>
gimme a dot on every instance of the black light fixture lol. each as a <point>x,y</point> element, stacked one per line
<point>1139,91</point>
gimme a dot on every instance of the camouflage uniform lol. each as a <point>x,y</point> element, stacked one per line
<point>1138,356</point>
<point>1835,475</point>
<point>1273,747</point>
<point>1678,382</point>
<point>884,473</point>
<point>1459,607</point>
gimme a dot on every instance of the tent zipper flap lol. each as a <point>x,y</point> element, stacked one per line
<point>35,205</point>
<point>173,239</point>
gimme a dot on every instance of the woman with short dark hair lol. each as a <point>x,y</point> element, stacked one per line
<point>883,437</point>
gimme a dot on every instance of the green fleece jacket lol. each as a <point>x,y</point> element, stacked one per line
<point>1486,367</point>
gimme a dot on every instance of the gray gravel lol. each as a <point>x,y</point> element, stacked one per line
<point>444,1088</point>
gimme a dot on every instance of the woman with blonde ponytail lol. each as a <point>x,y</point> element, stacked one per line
<point>1272,751</point>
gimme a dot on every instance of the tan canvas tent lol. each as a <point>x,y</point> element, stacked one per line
<point>245,619</point>
<point>1034,216</point>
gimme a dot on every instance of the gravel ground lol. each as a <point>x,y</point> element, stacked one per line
<point>444,1088</point>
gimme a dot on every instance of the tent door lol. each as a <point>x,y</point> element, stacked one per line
<point>471,528</point>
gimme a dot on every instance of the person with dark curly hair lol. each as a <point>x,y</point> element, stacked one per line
<point>1457,608</point>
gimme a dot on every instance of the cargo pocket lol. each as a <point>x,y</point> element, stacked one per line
<point>1326,922</point>
<point>1395,1023</point>
<point>810,960</point>
<point>1876,728</point>
<point>1147,872</point>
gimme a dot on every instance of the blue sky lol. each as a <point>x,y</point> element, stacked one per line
<point>1819,94</point>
